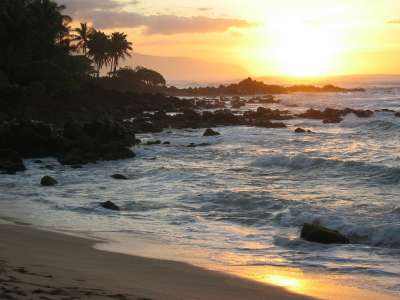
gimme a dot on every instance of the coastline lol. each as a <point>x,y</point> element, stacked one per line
<point>63,264</point>
<point>37,264</point>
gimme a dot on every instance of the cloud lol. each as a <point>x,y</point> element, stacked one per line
<point>107,14</point>
<point>165,24</point>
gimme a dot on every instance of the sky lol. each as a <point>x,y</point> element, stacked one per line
<point>294,38</point>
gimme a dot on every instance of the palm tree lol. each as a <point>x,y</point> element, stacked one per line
<point>120,48</point>
<point>98,46</point>
<point>82,37</point>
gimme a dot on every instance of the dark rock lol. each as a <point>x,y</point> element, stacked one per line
<point>210,132</point>
<point>167,143</point>
<point>49,167</point>
<point>300,130</point>
<point>268,124</point>
<point>319,234</point>
<point>119,177</point>
<point>333,120</point>
<point>149,143</point>
<point>397,114</point>
<point>48,181</point>
<point>116,152</point>
<point>191,145</point>
<point>109,205</point>
<point>78,156</point>
<point>38,161</point>
<point>10,162</point>
<point>30,139</point>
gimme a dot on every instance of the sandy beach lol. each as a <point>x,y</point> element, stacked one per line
<point>37,264</point>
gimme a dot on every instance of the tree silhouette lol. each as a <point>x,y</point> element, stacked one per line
<point>120,48</point>
<point>82,37</point>
<point>99,49</point>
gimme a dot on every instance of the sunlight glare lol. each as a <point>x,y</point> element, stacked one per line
<point>304,50</point>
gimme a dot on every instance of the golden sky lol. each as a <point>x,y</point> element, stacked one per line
<point>267,37</point>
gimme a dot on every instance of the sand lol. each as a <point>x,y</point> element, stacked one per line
<point>36,264</point>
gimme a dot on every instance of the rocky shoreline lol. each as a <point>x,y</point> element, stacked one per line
<point>79,142</point>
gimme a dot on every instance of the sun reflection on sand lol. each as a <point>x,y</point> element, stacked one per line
<point>287,282</point>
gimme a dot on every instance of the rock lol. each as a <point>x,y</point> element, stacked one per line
<point>10,162</point>
<point>116,152</point>
<point>119,177</point>
<point>110,205</point>
<point>49,167</point>
<point>268,124</point>
<point>38,161</point>
<point>150,143</point>
<point>48,181</point>
<point>30,139</point>
<point>78,156</point>
<point>167,143</point>
<point>191,145</point>
<point>397,114</point>
<point>210,132</point>
<point>333,120</point>
<point>300,130</point>
<point>319,234</point>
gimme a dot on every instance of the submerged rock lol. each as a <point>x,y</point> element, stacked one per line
<point>301,130</point>
<point>210,132</point>
<point>319,234</point>
<point>48,181</point>
<point>119,177</point>
<point>10,162</point>
<point>150,143</point>
<point>109,205</point>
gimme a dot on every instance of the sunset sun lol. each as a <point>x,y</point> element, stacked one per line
<point>304,51</point>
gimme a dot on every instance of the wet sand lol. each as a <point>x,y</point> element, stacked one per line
<point>43,265</point>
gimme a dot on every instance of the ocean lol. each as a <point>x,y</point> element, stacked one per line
<point>242,199</point>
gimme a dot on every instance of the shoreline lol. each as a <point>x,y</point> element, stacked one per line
<point>36,264</point>
<point>96,259</point>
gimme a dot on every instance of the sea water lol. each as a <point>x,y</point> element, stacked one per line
<point>243,198</point>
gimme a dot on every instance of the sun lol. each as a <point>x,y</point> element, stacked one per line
<point>304,50</point>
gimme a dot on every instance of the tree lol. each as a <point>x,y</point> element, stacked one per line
<point>82,37</point>
<point>120,48</point>
<point>99,49</point>
<point>149,77</point>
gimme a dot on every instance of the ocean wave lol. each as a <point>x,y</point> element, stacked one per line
<point>374,125</point>
<point>369,234</point>
<point>380,173</point>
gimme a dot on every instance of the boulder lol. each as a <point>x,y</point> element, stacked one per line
<point>48,181</point>
<point>319,234</point>
<point>150,143</point>
<point>110,205</point>
<point>269,124</point>
<point>10,162</point>
<point>119,177</point>
<point>300,130</point>
<point>210,132</point>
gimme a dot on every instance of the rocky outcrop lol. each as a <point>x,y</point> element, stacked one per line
<point>319,234</point>
<point>75,144</point>
<point>110,205</point>
<point>210,132</point>
<point>48,181</point>
<point>10,162</point>
<point>30,139</point>
<point>301,130</point>
<point>119,177</point>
